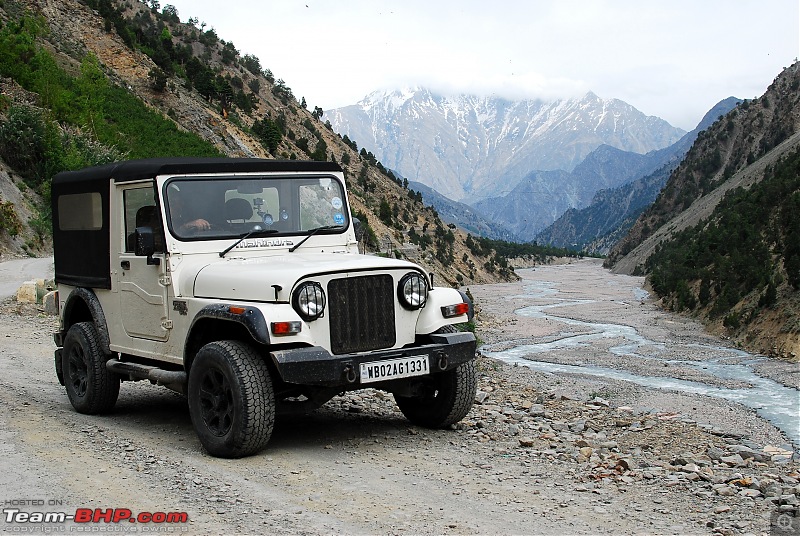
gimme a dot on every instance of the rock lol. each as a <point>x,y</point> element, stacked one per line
<point>513,429</point>
<point>27,292</point>
<point>753,493</point>
<point>680,460</point>
<point>689,468</point>
<point>50,302</point>
<point>536,410</point>
<point>777,453</point>
<point>725,490</point>
<point>715,453</point>
<point>747,452</point>
<point>586,452</point>
<point>578,426</point>
<point>598,401</point>
<point>626,464</point>
<point>526,442</point>
<point>733,460</point>
<point>790,499</point>
<point>481,396</point>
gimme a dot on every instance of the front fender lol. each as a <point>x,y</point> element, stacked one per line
<point>431,318</point>
<point>250,317</point>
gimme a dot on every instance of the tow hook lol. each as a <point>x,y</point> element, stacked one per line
<point>350,374</point>
<point>441,362</point>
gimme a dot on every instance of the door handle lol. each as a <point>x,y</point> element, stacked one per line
<point>126,265</point>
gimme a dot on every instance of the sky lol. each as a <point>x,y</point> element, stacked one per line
<point>674,59</point>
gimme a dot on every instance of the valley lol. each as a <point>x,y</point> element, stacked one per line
<point>545,452</point>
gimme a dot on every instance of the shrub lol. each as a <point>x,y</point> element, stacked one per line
<point>9,221</point>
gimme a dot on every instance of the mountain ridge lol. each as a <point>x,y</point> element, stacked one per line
<point>721,239</point>
<point>469,147</point>
<point>612,211</point>
<point>194,86</point>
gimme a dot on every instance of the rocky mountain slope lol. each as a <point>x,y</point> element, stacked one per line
<point>612,211</point>
<point>463,215</point>
<point>543,196</point>
<point>202,84</point>
<point>691,247</point>
<point>731,153</point>
<point>469,148</point>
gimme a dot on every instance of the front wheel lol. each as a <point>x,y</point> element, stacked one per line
<point>447,398</point>
<point>91,387</point>
<point>231,399</point>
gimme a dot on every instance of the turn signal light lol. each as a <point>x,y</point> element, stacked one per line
<point>286,328</point>
<point>449,311</point>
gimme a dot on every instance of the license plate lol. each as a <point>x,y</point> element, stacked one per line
<point>391,369</point>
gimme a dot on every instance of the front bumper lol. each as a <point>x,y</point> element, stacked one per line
<point>316,366</point>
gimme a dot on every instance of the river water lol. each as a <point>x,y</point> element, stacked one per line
<point>558,304</point>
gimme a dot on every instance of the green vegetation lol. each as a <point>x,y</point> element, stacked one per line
<point>9,221</point>
<point>750,244</point>
<point>370,238</point>
<point>81,120</point>
<point>148,32</point>
<point>513,250</point>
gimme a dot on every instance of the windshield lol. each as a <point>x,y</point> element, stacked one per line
<point>203,208</point>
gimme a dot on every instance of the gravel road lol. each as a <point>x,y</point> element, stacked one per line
<point>16,271</point>
<point>540,453</point>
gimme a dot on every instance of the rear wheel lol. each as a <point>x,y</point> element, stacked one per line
<point>446,397</point>
<point>231,399</point>
<point>91,387</point>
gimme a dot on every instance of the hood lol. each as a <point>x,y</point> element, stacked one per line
<point>253,279</point>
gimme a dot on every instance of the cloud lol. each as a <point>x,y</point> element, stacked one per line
<point>671,58</point>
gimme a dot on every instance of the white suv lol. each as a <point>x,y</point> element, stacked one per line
<point>239,283</point>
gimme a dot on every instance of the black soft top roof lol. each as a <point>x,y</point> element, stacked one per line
<point>82,257</point>
<point>132,170</point>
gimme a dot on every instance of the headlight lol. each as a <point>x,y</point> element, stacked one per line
<point>413,291</point>
<point>309,300</point>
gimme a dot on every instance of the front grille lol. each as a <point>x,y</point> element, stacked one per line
<point>361,313</point>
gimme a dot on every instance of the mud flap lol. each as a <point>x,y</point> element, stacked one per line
<point>59,371</point>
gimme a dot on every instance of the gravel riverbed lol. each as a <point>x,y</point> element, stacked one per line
<point>540,453</point>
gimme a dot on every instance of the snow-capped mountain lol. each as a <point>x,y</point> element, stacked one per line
<point>469,147</point>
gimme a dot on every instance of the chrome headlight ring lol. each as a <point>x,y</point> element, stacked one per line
<point>308,300</point>
<point>412,291</point>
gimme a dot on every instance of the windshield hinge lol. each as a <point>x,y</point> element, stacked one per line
<point>165,280</point>
<point>166,324</point>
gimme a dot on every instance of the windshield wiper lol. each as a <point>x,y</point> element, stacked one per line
<point>314,231</point>
<point>246,236</point>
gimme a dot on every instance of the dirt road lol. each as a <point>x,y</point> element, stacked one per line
<point>541,453</point>
<point>14,272</point>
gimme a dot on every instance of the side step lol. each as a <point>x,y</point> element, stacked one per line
<point>172,379</point>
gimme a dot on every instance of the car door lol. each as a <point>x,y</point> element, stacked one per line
<point>143,282</point>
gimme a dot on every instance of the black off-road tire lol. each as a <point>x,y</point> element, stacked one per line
<point>231,399</point>
<point>91,387</point>
<point>448,396</point>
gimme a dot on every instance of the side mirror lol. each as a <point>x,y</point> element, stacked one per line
<point>358,227</point>
<point>146,245</point>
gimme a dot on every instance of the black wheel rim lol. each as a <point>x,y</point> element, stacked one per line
<point>78,371</point>
<point>216,402</point>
